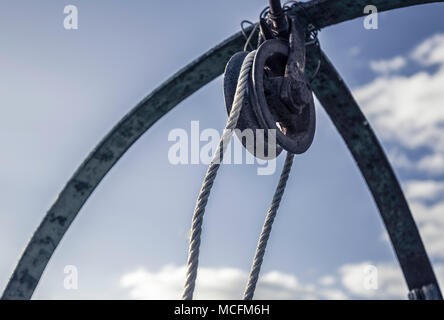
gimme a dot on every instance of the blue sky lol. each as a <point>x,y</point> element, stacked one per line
<point>62,91</point>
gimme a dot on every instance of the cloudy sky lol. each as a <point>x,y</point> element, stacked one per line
<point>62,91</point>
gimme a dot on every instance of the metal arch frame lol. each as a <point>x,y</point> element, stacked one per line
<point>331,92</point>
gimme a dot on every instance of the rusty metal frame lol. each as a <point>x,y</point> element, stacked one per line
<point>198,73</point>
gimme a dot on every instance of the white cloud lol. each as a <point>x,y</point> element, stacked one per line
<point>409,110</point>
<point>430,220</point>
<point>221,283</point>
<point>165,284</point>
<point>417,190</point>
<point>390,65</point>
<point>228,283</point>
<point>389,279</point>
<point>430,51</point>
<point>327,280</point>
<point>433,163</point>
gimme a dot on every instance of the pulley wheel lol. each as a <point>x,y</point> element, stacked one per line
<point>262,147</point>
<point>294,124</point>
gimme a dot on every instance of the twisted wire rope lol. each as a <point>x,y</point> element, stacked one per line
<point>266,229</point>
<point>202,200</point>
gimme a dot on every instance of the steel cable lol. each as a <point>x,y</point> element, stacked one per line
<point>196,229</point>
<point>266,229</point>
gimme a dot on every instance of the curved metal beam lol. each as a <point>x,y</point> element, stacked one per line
<point>323,13</point>
<point>354,128</point>
<point>184,83</point>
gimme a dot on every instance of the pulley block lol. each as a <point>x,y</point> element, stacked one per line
<point>260,146</point>
<point>279,99</point>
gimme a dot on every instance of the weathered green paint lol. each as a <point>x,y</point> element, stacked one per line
<point>184,83</point>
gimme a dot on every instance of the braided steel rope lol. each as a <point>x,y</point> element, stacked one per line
<point>266,229</point>
<point>196,229</point>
